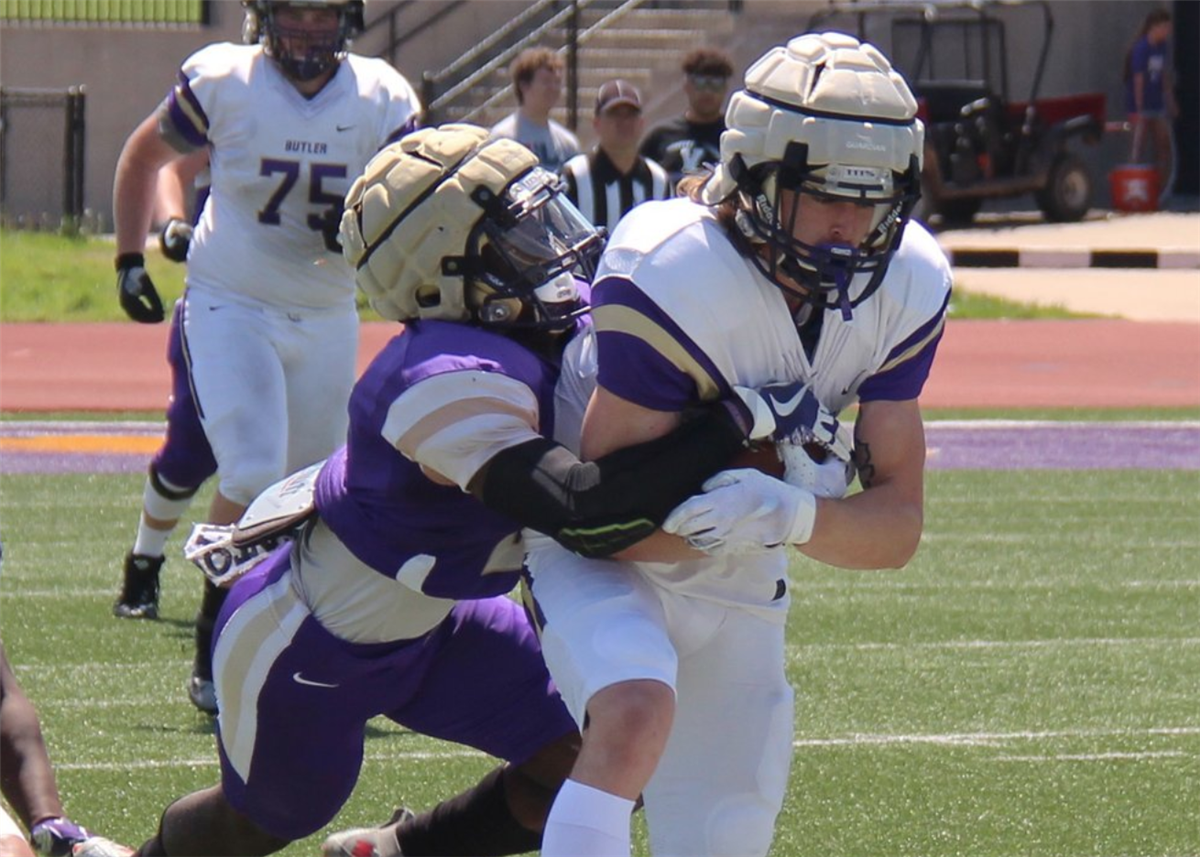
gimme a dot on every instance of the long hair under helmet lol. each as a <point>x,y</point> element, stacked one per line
<point>446,224</point>
<point>827,116</point>
<point>299,55</point>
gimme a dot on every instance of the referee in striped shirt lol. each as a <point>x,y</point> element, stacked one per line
<point>614,177</point>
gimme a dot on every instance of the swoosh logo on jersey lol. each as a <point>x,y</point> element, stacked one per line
<point>344,127</point>
<point>298,679</point>
<point>784,409</point>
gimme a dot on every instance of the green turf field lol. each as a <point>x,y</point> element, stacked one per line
<point>1027,687</point>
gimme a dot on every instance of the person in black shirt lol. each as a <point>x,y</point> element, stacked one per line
<point>614,178</point>
<point>685,144</point>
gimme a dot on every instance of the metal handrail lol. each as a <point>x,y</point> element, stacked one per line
<point>625,8</point>
<point>491,41</point>
<point>395,40</point>
<point>501,59</point>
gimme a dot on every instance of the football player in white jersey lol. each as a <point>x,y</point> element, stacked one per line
<point>269,326</point>
<point>793,262</point>
<point>393,601</point>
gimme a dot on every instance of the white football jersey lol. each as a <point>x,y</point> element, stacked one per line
<point>681,317</point>
<point>734,326</point>
<point>280,164</point>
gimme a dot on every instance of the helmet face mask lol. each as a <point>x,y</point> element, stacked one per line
<point>303,54</point>
<point>523,255</point>
<point>771,202</point>
<point>447,224</point>
<point>824,118</point>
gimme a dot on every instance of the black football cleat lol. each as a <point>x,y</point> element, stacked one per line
<point>139,589</point>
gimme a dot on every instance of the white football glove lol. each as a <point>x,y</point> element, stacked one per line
<point>98,846</point>
<point>830,477</point>
<point>744,511</point>
<point>210,548</point>
<point>175,239</point>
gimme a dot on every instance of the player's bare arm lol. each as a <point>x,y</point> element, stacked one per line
<point>880,526</point>
<point>136,184</point>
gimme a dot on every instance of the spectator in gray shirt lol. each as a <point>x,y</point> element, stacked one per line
<point>537,76</point>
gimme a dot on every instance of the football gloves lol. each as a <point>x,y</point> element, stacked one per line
<point>744,512</point>
<point>175,238</point>
<point>136,290</point>
<point>791,413</point>
<point>55,837</point>
<point>98,846</point>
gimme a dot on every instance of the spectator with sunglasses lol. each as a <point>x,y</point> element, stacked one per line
<point>686,144</point>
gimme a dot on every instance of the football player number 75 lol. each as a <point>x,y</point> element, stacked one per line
<point>290,170</point>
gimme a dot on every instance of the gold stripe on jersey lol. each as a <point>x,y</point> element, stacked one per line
<point>454,413</point>
<point>914,350</point>
<point>184,103</point>
<point>248,646</point>
<point>621,319</point>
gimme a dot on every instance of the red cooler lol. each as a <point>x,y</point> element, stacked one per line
<point>1134,188</point>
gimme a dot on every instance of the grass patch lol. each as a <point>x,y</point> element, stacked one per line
<point>1026,686</point>
<point>972,305</point>
<point>49,277</point>
<point>54,278</point>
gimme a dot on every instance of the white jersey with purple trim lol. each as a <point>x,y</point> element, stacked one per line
<point>680,317</point>
<point>727,324</point>
<point>281,163</point>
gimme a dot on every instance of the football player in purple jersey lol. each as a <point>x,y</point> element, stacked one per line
<point>392,599</point>
<point>28,783</point>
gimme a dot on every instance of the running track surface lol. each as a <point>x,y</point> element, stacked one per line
<point>1083,363</point>
<point>1020,364</point>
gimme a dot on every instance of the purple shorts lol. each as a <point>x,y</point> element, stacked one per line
<point>295,700</point>
<point>185,459</point>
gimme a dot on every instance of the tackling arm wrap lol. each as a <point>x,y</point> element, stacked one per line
<point>600,507</point>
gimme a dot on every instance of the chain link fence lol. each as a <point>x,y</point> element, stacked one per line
<point>42,136</point>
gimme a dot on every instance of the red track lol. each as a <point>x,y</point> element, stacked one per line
<point>1084,363</point>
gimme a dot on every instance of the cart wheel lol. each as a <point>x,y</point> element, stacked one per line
<point>1067,195</point>
<point>959,212</point>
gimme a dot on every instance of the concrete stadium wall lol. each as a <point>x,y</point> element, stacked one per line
<point>126,72</point>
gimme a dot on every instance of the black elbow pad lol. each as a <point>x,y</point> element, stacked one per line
<point>601,507</point>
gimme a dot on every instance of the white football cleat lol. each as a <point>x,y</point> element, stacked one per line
<point>98,846</point>
<point>368,841</point>
<point>203,694</point>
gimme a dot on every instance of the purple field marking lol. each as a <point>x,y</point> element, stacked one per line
<point>953,445</point>
<point>1048,445</point>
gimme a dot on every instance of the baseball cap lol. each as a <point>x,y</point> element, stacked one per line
<point>617,92</point>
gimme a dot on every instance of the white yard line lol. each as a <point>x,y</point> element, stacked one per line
<point>1096,757</point>
<point>962,645</point>
<point>962,739</point>
<point>991,739</point>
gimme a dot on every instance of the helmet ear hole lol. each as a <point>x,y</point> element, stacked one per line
<point>428,297</point>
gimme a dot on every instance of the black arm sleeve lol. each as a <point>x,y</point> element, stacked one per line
<point>600,507</point>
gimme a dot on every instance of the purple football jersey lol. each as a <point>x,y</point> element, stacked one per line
<point>381,506</point>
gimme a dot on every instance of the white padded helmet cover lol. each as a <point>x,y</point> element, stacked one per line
<point>826,73</point>
<point>412,208</point>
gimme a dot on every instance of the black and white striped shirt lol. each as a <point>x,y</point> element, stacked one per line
<point>604,194</point>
